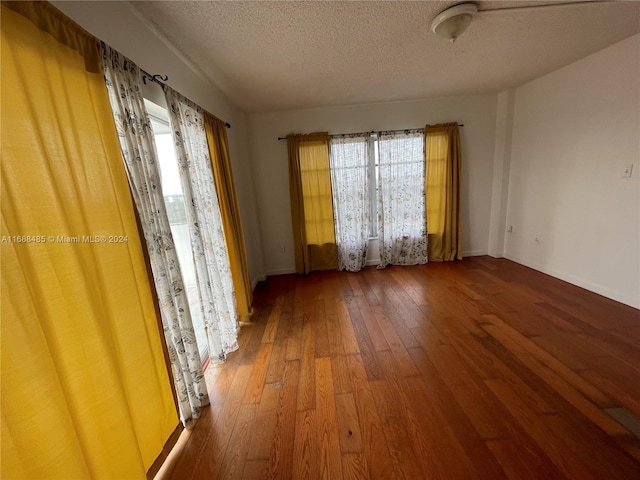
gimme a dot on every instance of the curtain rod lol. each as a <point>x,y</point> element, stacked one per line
<point>160,79</point>
<point>373,131</point>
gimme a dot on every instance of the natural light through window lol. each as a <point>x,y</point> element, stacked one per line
<point>174,202</point>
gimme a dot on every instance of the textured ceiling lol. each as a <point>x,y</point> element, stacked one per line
<point>268,56</point>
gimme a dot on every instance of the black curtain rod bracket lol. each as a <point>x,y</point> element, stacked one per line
<point>159,79</point>
<point>373,131</point>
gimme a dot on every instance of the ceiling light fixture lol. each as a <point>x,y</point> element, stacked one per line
<point>451,23</point>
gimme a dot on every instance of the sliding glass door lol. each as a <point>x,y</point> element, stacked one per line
<point>174,202</point>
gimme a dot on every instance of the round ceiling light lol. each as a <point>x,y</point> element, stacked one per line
<point>451,23</point>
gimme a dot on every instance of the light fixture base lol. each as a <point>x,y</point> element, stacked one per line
<point>451,23</point>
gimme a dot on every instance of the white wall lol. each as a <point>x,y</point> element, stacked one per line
<point>117,25</point>
<point>574,131</point>
<point>269,158</point>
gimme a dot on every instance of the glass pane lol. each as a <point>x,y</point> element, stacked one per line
<point>401,200</point>
<point>374,187</point>
<point>174,202</point>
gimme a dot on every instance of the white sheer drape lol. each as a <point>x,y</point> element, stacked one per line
<point>402,231</point>
<point>122,78</point>
<point>211,258</point>
<point>350,184</point>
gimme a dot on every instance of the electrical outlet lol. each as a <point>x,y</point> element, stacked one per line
<point>626,173</point>
<point>537,238</point>
<point>283,249</point>
<point>509,228</point>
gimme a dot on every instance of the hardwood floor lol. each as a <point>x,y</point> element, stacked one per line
<point>476,369</point>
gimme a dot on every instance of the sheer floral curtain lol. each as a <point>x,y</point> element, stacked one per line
<point>350,183</point>
<point>122,78</point>
<point>401,191</point>
<point>213,271</point>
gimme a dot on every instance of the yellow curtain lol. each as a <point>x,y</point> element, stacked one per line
<point>85,389</point>
<point>225,187</point>
<point>311,202</point>
<point>443,164</point>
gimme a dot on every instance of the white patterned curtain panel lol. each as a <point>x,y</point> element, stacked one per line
<point>350,181</point>
<point>211,258</point>
<point>402,227</point>
<point>122,78</point>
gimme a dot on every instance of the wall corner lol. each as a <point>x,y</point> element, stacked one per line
<point>501,166</point>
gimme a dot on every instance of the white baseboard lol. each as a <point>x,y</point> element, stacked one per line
<point>281,271</point>
<point>474,253</point>
<point>587,285</point>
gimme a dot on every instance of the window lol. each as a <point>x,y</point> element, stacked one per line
<point>351,189</point>
<point>401,182</point>
<point>437,182</point>
<point>316,191</point>
<point>403,167</point>
<point>174,203</point>
<point>373,187</point>
<point>378,183</point>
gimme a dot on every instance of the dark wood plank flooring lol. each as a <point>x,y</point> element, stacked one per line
<point>478,369</point>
